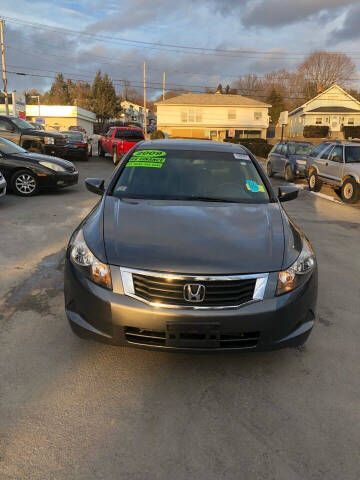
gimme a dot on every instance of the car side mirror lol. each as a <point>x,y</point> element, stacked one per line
<point>95,185</point>
<point>287,193</point>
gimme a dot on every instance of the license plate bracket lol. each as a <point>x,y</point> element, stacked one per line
<point>192,335</point>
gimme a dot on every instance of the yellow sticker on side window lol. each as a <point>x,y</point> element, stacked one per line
<point>253,186</point>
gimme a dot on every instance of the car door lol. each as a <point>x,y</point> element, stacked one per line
<point>321,160</point>
<point>271,157</point>
<point>9,131</point>
<point>275,157</point>
<point>335,165</point>
<point>282,158</point>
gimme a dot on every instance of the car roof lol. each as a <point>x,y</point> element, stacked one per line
<point>207,145</point>
<point>127,128</point>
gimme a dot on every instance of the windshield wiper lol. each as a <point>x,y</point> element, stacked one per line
<point>205,199</point>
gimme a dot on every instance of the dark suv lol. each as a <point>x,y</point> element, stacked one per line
<point>28,137</point>
<point>289,158</point>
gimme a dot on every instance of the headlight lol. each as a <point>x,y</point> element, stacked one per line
<point>82,257</point>
<point>296,274</point>
<point>49,140</point>
<point>53,166</point>
<point>301,162</point>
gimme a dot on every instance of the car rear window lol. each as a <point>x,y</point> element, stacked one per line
<point>129,134</point>
<point>76,136</point>
<point>352,154</point>
<point>191,175</point>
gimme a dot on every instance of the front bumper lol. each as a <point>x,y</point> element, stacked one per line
<point>300,170</point>
<point>55,150</point>
<point>58,180</point>
<point>273,323</point>
<point>2,187</point>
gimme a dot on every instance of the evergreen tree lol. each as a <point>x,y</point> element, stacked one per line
<point>104,102</point>
<point>227,89</point>
<point>277,103</point>
<point>59,92</point>
<point>219,88</point>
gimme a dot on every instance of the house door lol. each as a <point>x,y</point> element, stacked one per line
<point>335,124</point>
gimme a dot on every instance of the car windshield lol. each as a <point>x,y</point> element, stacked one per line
<point>7,147</point>
<point>191,175</point>
<point>300,148</point>
<point>352,154</point>
<point>77,136</point>
<point>19,122</point>
<point>129,134</point>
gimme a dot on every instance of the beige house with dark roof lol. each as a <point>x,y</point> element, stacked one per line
<point>213,116</point>
<point>334,107</point>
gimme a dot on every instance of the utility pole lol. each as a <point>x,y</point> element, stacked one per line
<point>3,65</point>
<point>145,113</point>
<point>164,80</point>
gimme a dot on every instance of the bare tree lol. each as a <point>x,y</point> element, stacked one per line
<point>322,69</point>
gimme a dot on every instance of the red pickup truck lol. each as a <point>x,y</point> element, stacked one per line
<point>118,141</point>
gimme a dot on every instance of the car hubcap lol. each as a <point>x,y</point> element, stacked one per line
<point>115,157</point>
<point>312,181</point>
<point>25,184</point>
<point>348,191</point>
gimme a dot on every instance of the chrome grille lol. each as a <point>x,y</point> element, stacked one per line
<point>168,290</point>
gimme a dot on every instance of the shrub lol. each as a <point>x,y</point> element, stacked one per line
<point>157,135</point>
<point>257,146</point>
<point>351,131</point>
<point>316,131</point>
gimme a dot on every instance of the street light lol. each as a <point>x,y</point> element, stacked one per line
<point>38,99</point>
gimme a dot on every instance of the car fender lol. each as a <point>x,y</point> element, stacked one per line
<point>345,177</point>
<point>313,167</point>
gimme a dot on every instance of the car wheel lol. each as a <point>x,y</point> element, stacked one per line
<point>350,191</point>
<point>289,174</point>
<point>269,169</point>
<point>314,181</point>
<point>115,157</point>
<point>25,183</point>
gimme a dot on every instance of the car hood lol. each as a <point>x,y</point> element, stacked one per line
<point>196,237</point>
<point>41,133</point>
<point>39,157</point>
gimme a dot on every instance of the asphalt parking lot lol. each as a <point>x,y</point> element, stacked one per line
<point>71,409</point>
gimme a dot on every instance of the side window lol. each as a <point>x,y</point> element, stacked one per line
<point>337,154</point>
<point>284,149</point>
<point>326,152</point>
<point>278,148</point>
<point>317,150</point>
<point>5,126</point>
<point>110,132</point>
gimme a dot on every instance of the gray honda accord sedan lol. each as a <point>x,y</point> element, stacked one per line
<point>190,249</point>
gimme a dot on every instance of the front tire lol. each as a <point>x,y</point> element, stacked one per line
<point>289,174</point>
<point>314,181</point>
<point>115,157</point>
<point>101,152</point>
<point>350,191</point>
<point>25,183</point>
<point>269,169</point>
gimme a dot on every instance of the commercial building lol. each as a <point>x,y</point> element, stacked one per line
<point>61,117</point>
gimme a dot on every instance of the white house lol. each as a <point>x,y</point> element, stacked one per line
<point>215,115</point>
<point>132,112</point>
<point>334,107</point>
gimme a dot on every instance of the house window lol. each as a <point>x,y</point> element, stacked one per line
<point>232,114</point>
<point>184,117</point>
<point>198,116</point>
<point>351,121</point>
<point>257,115</point>
<point>191,116</point>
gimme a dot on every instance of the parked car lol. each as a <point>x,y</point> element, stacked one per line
<point>190,249</point>
<point>338,165</point>
<point>289,158</point>
<point>26,172</point>
<point>79,146</point>
<point>2,185</point>
<point>119,140</point>
<point>25,135</point>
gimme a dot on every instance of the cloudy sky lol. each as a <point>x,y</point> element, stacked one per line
<point>263,35</point>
